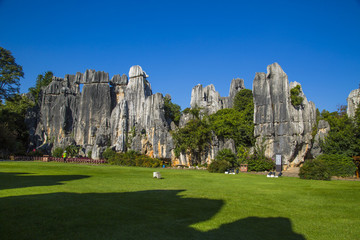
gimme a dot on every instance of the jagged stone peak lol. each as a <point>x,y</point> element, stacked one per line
<point>136,71</point>
<point>353,102</point>
<point>236,85</point>
<point>275,68</point>
<point>59,79</point>
<point>92,76</point>
<point>119,80</point>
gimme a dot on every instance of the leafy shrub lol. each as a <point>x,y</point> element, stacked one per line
<point>315,169</point>
<point>89,154</point>
<point>243,155</point>
<point>260,163</point>
<point>36,153</point>
<point>257,162</point>
<point>226,155</point>
<point>108,153</point>
<point>296,100</point>
<point>132,158</point>
<point>338,165</point>
<point>219,166</point>
<point>72,150</point>
<point>58,152</point>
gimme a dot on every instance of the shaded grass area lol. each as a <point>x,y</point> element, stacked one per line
<point>68,201</point>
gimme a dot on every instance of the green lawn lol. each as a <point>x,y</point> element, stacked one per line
<point>69,201</point>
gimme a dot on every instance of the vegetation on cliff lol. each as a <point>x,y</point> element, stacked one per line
<point>236,124</point>
<point>296,100</point>
<point>344,135</point>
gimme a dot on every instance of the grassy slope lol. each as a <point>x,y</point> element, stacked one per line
<point>68,201</point>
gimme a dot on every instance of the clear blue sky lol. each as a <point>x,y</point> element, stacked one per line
<point>183,43</point>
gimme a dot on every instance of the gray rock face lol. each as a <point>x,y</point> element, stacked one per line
<point>56,113</point>
<point>209,99</point>
<point>281,127</point>
<point>353,102</point>
<point>121,113</point>
<point>323,130</point>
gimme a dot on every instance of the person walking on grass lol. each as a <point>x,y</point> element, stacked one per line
<point>64,156</point>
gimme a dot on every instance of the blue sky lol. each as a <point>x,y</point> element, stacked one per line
<point>183,43</point>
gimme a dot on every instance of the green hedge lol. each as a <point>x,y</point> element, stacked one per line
<point>130,158</point>
<point>219,166</point>
<point>338,165</point>
<point>315,169</point>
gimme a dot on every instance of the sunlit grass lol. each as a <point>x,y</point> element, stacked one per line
<point>69,201</point>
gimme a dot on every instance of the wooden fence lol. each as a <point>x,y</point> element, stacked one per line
<point>82,160</point>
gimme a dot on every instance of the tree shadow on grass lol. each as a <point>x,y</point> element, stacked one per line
<point>22,180</point>
<point>161,214</point>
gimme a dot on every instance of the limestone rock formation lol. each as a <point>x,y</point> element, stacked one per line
<point>353,102</point>
<point>57,113</point>
<point>281,127</point>
<point>120,113</point>
<point>209,99</point>
<point>123,113</point>
<point>323,130</point>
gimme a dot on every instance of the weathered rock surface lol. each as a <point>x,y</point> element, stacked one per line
<point>121,113</point>
<point>281,127</point>
<point>209,99</point>
<point>353,102</point>
<point>323,130</point>
<point>57,113</point>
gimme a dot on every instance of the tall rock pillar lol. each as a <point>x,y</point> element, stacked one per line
<point>279,126</point>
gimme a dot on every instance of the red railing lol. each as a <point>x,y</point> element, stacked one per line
<point>55,159</point>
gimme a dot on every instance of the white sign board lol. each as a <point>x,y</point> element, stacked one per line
<point>278,159</point>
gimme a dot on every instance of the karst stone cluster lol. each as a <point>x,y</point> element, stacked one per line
<point>95,112</point>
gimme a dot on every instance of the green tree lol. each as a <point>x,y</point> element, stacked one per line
<point>172,111</point>
<point>244,101</point>
<point>10,74</point>
<point>12,118</point>
<point>41,81</point>
<point>192,139</point>
<point>232,124</point>
<point>344,137</point>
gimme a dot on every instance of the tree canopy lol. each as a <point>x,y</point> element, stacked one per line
<point>344,135</point>
<point>172,110</point>
<point>13,131</point>
<point>41,81</point>
<point>10,74</point>
<point>236,124</point>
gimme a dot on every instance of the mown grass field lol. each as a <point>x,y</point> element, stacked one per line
<point>69,201</point>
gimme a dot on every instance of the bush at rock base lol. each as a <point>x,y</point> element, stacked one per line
<point>338,165</point>
<point>130,158</point>
<point>219,166</point>
<point>58,152</point>
<point>315,169</point>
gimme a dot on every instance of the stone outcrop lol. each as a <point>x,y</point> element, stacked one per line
<point>210,100</point>
<point>121,113</point>
<point>353,102</point>
<point>323,130</point>
<point>93,112</point>
<point>279,126</point>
